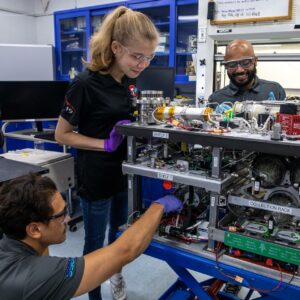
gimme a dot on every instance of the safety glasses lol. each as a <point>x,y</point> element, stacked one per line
<point>244,63</point>
<point>61,216</point>
<point>139,58</point>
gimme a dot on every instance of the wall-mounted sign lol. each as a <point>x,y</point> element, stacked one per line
<point>238,11</point>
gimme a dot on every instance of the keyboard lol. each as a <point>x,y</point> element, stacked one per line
<point>45,135</point>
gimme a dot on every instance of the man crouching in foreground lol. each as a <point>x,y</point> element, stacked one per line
<point>33,215</point>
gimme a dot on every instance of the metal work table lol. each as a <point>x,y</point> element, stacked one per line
<point>182,259</point>
<point>231,140</point>
<point>11,169</point>
<point>61,170</point>
<point>30,134</point>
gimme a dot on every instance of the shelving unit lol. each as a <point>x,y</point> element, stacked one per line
<point>162,13</point>
<point>71,39</point>
<point>186,41</point>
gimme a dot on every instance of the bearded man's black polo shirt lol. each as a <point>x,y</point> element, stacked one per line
<point>261,90</point>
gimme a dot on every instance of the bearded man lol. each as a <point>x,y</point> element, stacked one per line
<point>240,62</point>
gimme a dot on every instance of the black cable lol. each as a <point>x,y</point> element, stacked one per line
<point>189,207</point>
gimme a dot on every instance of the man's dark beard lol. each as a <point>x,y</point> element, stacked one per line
<point>251,75</point>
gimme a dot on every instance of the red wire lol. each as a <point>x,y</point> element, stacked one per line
<point>249,286</point>
<point>219,245</point>
<point>274,288</point>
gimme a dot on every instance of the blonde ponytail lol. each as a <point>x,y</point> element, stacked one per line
<point>123,25</point>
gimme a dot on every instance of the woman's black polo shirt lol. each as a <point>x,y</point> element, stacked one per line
<point>94,103</point>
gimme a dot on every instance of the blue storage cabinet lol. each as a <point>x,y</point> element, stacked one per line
<point>162,14</point>
<point>186,40</point>
<point>71,42</point>
<point>175,19</point>
<point>15,144</point>
<point>73,29</point>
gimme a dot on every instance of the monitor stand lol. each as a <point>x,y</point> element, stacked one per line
<point>39,126</point>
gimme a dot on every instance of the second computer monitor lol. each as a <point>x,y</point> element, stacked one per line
<point>38,100</point>
<point>157,78</point>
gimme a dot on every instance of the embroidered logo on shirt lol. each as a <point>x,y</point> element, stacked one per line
<point>133,90</point>
<point>70,268</point>
<point>69,107</point>
<point>271,96</point>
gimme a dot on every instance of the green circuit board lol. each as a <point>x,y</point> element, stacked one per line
<point>260,247</point>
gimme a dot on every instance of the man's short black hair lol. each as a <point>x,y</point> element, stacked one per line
<point>24,200</point>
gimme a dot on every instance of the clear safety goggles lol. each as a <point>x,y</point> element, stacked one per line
<point>137,56</point>
<point>244,63</point>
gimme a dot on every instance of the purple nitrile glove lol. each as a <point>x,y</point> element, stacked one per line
<point>170,203</point>
<point>115,139</point>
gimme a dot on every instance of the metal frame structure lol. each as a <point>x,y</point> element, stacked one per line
<point>271,283</point>
<point>181,261</point>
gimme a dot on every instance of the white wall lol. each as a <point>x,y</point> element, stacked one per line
<point>17,28</point>
<point>20,5</point>
<point>55,5</point>
<point>45,30</point>
<point>26,62</point>
<point>27,22</point>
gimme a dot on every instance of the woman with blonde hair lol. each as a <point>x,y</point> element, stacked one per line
<point>97,100</point>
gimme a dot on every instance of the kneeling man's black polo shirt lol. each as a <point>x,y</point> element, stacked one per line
<point>24,275</point>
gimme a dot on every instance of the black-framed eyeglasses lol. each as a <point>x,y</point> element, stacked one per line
<point>61,215</point>
<point>244,63</point>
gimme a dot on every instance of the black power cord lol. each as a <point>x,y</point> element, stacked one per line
<point>210,10</point>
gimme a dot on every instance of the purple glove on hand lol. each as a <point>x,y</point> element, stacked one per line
<point>115,139</point>
<point>170,203</point>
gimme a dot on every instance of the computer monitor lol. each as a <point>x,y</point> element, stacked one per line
<point>157,78</point>
<point>31,100</point>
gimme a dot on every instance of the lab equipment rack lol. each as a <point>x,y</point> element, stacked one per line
<point>201,258</point>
